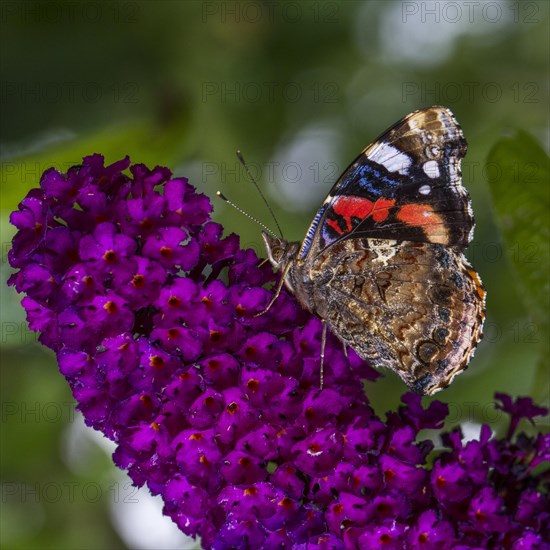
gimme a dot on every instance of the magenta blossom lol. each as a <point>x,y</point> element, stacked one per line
<point>152,314</point>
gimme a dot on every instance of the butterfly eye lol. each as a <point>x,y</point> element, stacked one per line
<point>278,254</point>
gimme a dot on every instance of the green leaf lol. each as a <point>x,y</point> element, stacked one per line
<point>519,181</point>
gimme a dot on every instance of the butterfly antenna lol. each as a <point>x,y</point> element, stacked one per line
<point>252,179</point>
<point>224,198</point>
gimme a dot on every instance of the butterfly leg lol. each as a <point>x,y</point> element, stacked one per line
<point>277,292</point>
<point>323,342</point>
<point>345,350</point>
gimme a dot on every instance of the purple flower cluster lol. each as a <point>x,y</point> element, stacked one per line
<point>152,315</point>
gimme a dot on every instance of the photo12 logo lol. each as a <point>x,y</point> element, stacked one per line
<point>470,12</point>
<point>69,11</point>
<point>269,92</point>
<point>270,11</point>
<point>68,92</point>
<point>448,93</point>
<point>52,492</point>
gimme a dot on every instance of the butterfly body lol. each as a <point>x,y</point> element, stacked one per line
<point>382,262</point>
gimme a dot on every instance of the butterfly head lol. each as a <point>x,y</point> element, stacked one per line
<point>279,251</point>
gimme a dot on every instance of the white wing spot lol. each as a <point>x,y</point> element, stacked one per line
<point>431,169</point>
<point>385,250</point>
<point>391,158</point>
<point>425,190</point>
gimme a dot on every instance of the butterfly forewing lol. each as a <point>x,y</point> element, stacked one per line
<point>406,185</point>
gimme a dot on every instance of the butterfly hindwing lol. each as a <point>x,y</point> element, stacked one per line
<point>405,186</point>
<point>417,310</point>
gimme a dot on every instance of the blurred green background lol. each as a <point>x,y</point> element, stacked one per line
<point>300,88</point>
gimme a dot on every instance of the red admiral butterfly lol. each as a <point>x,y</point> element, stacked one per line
<point>382,263</point>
